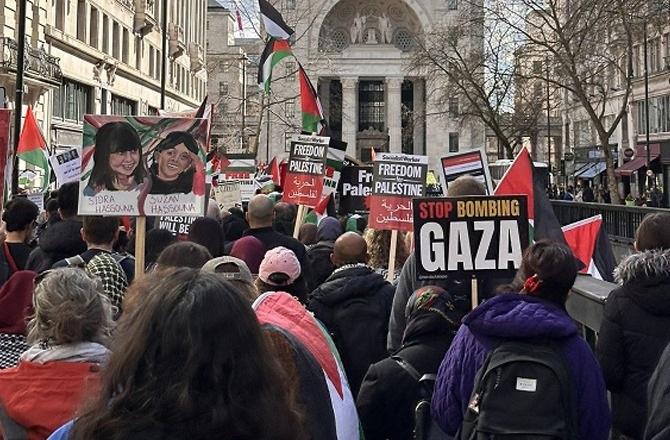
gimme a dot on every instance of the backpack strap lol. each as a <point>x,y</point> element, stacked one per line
<point>409,368</point>
<point>76,261</point>
<point>10,260</point>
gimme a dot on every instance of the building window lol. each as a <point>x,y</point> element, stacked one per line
<point>289,4</point>
<point>72,101</point>
<point>659,115</point>
<point>152,111</point>
<point>289,108</point>
<point>93,31</point>
<point>138,53</point>
<point>152,66</point>
<point>537,67</point>
<point>116,40</point>
<point>290,71</point>
<point>453,107</point>
<point>223,88</point>
<point>60,15</point>
<point>453,142</point>
<point>81,20</point>
<point>105,34</point>
<point>123,106</point>
<point>583,136</point>
<point>372,108</point>
<point>452,5</point>
<point>126,46</point>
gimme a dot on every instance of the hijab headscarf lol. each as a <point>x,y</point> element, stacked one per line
<point>430,311</point>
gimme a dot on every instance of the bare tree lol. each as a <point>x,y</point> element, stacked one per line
<point>481,79</point>
<point>589,45</point>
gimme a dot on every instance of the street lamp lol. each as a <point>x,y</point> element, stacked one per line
<point>164,56</point>
<point>18,101</point>
<point>646,101</point>
<point>244,60</point>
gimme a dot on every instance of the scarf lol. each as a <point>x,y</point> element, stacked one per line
<point>78,352</point>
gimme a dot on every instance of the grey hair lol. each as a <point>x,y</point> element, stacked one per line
<point>69,308</point>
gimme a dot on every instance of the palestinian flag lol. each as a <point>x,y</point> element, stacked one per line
<point>589,242</point>
<point>274,23</point>
<point>312,112</point>
<point>274,52</point>
<point>520,178</point>
<point>319,211</point>
<point>282,310</point>
<point>273,171</point>
<point>32,146</point>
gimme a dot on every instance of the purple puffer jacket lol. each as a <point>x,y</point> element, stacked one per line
<point>513,316</point>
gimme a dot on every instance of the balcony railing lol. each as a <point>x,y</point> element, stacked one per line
<point>176,42</point>
<point>144,21</point>
<point>197,55</point>
<point>38,64</point>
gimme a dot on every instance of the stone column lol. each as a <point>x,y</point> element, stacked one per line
<point>394,114</point>
<point>350,113</point>
<point>324,95</point>
<point>418,116</point>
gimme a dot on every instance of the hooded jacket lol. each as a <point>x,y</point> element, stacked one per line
<point>658,421</point>
<point>387,400</point>
<point>634,332</point>
<point>59,241</point>
<point>354,304</point>
<point>519,317</point>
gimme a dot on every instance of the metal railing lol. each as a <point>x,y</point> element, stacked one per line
<point>620,221</point>
<point>586,305</point>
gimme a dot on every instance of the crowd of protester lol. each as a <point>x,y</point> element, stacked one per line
<point>240,331</point>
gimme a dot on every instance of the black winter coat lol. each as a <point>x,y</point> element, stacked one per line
<point>318,256</point>
<point>634,333</point>
<point>388,395</point>
<point>59,241</point>
<point>658,424</point>
<point>354,304</point>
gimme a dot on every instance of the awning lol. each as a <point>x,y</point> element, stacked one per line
<point>591,172</point>
<point>581,167</point>
<point>639,160</point>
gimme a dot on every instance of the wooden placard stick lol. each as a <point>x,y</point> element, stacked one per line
<point>298,221</point>
<point>140,241</point>
<point>474,293</point>
<point>392,252</point>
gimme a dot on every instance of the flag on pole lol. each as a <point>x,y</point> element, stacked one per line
<point>589,242</point>
<point>240,26</point>
<point>274,23</point>
<point>319,211</point>
<point>312,112</point>
<point>32,146</point>
<point>273,171</point>
<point>520,178</point>
<point>274,52</point>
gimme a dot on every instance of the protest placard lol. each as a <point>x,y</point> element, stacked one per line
<point>228,195</point>
<point>66,166</point>
<point>38,199</point>
<point>397,179</point>
<point>355,186</point>
<point>139,166</point>
<point>178,225</point>
<point>334,164</point>
<point>306,170</point>
<point>470,163</point>
<point>479,236</point>
<point>5,148</point>
<point>241,168</point>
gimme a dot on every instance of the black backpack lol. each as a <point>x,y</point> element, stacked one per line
<point>523,391</point>
<point>424,426</point>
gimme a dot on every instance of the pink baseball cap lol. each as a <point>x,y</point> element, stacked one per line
<point>279,260</point>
